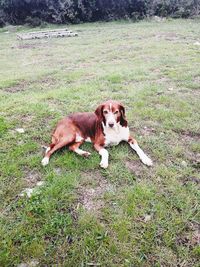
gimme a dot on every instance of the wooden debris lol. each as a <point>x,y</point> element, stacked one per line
<point>46,34</point>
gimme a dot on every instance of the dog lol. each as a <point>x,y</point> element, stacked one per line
<point>105,127</point>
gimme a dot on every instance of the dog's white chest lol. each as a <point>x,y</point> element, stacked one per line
<point>113,136</point>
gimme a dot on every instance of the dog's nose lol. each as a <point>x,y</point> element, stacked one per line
<point>111,125</point>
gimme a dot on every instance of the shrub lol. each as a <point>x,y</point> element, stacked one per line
<point>75,11</point>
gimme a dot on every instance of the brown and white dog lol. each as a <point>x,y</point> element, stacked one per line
<point>106,126</point>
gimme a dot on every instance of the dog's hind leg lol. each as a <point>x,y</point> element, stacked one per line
<point>55,146</point>
<point>75,147</point>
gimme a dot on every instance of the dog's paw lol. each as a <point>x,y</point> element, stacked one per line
<point>104,164</point>
<point>45,161</point>
<point>147,161</point>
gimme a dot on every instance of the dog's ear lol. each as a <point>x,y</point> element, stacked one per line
<point>99,112</point>
<point>123,120</point>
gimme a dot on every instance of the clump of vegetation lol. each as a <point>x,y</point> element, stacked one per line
<point>71,11</point>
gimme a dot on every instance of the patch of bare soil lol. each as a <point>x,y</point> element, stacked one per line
<point>57,170</point>
<point>26,118</point>
<point>189,92</point>
<point>184,91</point>
<point>32,263</point>
<point>29,45</point>
<point>191,237</point>
<point>144,131</point>
<point>191,179</point>
<point>194,159</point>
<point>92,190</point>
<point>46,81</point>
<point>188,135</point>
<point>56,105</point>
<point>20,87</point>
<point>147,131</point>
<point>46,121</point>
<point>143,37</point>
<point>135,167</point>
<point>173,37</point>
<point>24,85</point>
<point>197,79</point>
<point>25,46</point>
<point>162,80</point>
<point>31,178</point>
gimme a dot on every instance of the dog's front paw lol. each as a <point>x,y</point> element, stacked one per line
<point>45,161</point>
<point>146,160</point>
<point>104,164</point>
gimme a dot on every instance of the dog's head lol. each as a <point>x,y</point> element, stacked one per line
<point>110,113</point>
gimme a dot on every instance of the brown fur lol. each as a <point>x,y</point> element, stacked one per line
<point>84,125</point>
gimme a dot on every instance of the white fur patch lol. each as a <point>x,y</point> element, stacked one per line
<point>79,138</point>
<point>88,140</point>
<point>113,136</point>
<point>104,158</point>
<point>144,158</point>
<point>47,150</point>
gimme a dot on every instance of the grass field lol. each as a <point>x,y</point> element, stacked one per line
<point>128,214</point>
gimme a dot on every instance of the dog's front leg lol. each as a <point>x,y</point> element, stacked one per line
<point>144,158</point>
<point>104,155</point>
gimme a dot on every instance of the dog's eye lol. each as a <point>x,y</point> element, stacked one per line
<point>105,112</point>
<point>116,112</point>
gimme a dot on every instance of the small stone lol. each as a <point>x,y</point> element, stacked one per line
<point>58,171</point>
<point>40,183</point>
<point>157,19</point>
<point>197,43</point>
<point>30,191</point>
<point>170,89</point>
<point>184,163</point>
<point>32,263</point>
<point>20,130</point>
<point>69,239</point>
<point>44,147</point>
<point>159,93</point>
<point>147,218</point>
<point>27,191</point>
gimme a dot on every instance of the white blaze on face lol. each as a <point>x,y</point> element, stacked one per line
<point>110,117</point>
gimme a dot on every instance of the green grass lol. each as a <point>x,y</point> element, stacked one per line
<point>137,216</point>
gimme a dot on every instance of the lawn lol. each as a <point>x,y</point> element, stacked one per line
<point>126,215</point>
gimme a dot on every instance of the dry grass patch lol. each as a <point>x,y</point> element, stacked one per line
<point>91,191</point>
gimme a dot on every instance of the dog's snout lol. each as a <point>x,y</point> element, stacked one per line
<point>111,125</point>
